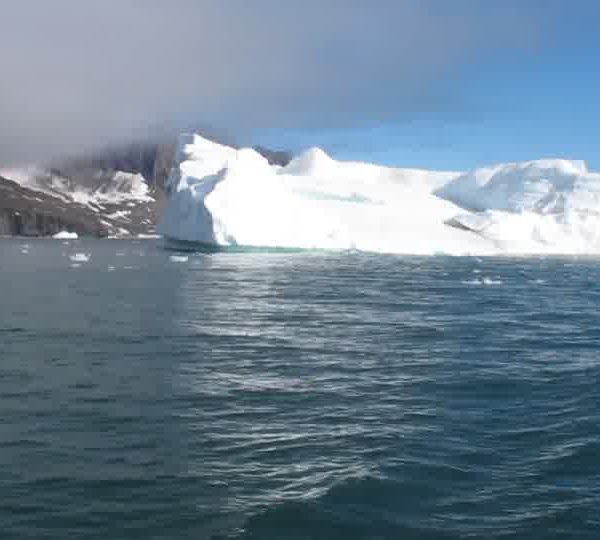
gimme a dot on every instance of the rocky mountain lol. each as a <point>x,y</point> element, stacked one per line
<point>117,192</point>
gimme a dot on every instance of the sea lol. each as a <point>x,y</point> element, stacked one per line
<point>153,394</point>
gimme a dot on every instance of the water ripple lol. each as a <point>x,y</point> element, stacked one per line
<point>248,395</point>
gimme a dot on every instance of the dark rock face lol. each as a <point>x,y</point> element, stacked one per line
<point>25,212</point>
<point>163,162</point>
<point>275,157</point>
<point>134,158</point>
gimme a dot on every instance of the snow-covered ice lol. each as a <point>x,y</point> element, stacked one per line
<point>543,206</point>
<point>223,196</point>
<point>66,235</point>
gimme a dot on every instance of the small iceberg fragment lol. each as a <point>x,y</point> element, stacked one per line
<point>65,235</point>
<point>179,258</point>
<point>80,257</point>
<point>484,281</point>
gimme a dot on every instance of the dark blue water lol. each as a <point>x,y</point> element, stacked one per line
<point>296,396</point>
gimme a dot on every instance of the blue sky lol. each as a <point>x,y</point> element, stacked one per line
<point>511,105</point>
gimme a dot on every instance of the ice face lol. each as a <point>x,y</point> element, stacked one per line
<point>544,206</point>
<point>223,196</point>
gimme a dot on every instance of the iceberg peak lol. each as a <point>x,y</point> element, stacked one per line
<point>312,161</point>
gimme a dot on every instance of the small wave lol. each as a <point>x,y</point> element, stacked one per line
<point>366,507</point>
<point>15,330</point>
<point>80,257</point>
<point>483,281</point>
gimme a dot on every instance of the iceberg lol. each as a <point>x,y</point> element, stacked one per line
<point>65,235</point>
<point>218,195</point>
<point>221,196</point>
<point>543,206</point>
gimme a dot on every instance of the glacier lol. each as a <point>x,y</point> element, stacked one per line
<point>218,195</point>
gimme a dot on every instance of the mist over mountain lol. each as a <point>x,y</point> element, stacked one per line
<point>82,76</point>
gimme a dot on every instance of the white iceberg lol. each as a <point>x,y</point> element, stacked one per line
<point>222,196</point>
<point>219,195</point>
<point>543,206</point>
<point>65,235</point>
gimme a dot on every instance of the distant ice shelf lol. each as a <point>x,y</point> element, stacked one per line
<point>226,197</point>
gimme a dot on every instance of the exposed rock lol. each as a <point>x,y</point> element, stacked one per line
<point>275,157</point>
<point>30,213</point>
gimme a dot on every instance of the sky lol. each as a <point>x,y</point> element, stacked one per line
<point>540,101</point>
<point>418,83</point>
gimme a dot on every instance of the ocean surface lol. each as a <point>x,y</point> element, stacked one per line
<point>296,395</point>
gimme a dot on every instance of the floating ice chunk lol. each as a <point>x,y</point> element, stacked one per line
<point>179,258</point>
<point>66,235</point>
<point>80,257</point>
<point>482,281</point>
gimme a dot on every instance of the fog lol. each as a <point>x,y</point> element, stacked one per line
<point>77,76</point>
